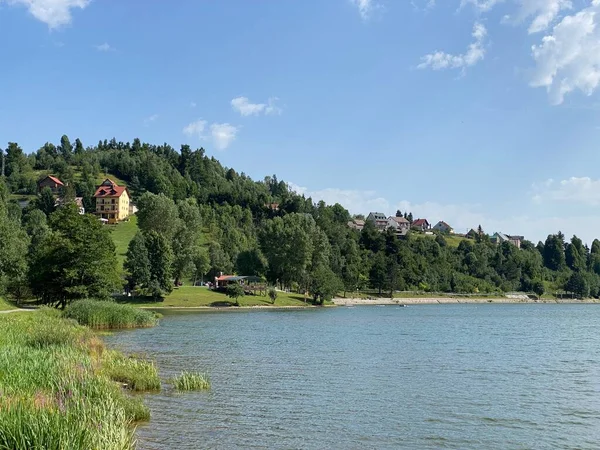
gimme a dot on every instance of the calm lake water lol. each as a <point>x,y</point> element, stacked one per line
<point>439,376</point>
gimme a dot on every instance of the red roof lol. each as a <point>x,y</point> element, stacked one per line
<point>109,188</point>
<point>420,222</point>
<point>56,180</point>
<point>224,277</point>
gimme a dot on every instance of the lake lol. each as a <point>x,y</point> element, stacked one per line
<point>422,377</point>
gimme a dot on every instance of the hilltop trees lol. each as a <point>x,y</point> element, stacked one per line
<point>198,218</point>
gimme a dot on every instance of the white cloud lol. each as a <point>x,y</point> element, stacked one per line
<point>366,7</point>
<point>54,13</point>
<point>541,12</point>
<point>356,201</point>
<point>581,190</point>
<point>104,47</point>
<point>223,134</point>
<point>246,108</point>
<point>475,53</point>
<point>569,57</point>
<point>196,129</point>
<point>149,120</point>
<point>193,104</point>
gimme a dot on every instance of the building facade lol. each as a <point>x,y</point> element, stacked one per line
<point>112,201</point>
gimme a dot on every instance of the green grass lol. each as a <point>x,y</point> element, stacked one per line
<point>6,305</point>
<point>108,315</point>
<point>191,296</point>
<point>451,240</point>
<point>135,374</point>
<point>57,389</point>
<point>122,233</point>
<point>191,381</point>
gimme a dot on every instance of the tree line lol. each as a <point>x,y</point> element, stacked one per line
<point>198,218</point>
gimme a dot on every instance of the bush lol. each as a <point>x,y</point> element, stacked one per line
<point>191,381</point>
<point>109,315</point>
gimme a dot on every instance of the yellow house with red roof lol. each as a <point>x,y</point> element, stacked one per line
<point>112,201</point>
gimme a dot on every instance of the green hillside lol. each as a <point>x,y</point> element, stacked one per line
<point>122,234</point>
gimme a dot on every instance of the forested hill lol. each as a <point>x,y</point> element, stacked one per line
<point>213,219</point>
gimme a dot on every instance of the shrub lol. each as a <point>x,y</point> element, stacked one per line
<point>191,381</point>
<point>109,315</point>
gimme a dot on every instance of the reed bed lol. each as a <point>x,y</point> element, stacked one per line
<point>191,381</point>
<point>109,315</point>
<point>57,389</point>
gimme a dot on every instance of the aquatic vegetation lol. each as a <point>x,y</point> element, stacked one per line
<point>109,315</point>
<point>135,374</point>
<point>191,381</point>
<point>57,387</point>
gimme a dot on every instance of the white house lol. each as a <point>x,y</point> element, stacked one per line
<point>399,224</point>
<point>443,227</point>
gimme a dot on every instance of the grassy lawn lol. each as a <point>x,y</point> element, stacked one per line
<point>190,296</point>
<point>451,240</point>
<point>122,234</point>
<point>5,305</point>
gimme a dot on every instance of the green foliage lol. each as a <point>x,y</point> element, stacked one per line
<point>191,381</point>
<point>324,284</point>
<point>235,291</point>
<point>273,295</point>
<point>538,288</point>
<point>46,202</point>
<point>75,260</point>
<point>109,315</point>
<point>578,285</point>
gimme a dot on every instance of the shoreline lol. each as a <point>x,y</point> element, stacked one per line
<point>452,300</point>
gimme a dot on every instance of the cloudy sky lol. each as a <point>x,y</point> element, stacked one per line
<point>471,111</point>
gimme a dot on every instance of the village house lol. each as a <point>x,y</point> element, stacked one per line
<point>356,224</point>
<point>499,238</point>
<point>112,201</point>
<point>420,225</point>
<point>443,227</point>
<point>399,224</point>
<point>379,219</point>
<point>51,182</point>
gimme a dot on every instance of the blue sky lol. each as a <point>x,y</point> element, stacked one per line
<point>469,111</point>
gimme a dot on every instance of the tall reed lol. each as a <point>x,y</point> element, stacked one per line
<point>191,381</point>
<point>109,315</point>
<point>57,387</point>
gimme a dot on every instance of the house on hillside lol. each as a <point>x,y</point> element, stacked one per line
<point>112,201</point>
<point>379,219</point>
<point>420,225</point>
<point>499,238</point>
<point>51,182</point>
<point>399,224</point>
<point>356,224</point>
<point>443,227</point>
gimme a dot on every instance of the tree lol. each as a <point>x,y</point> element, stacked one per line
<point>75,260</point>
<point>137,264</point>
<point>65,147</point>
<point>554,253</point>
<point>235,291</point>
<point>187,239</point>
<point>578,285</point>
<point>158,213</point>
<point>252,262</point>
<point>13,252</point>
<point>324,284</point>
<point>46,201</point>
<point>160,255</point>
<point>273,295</point>
<point>398,213</point>
<point>538,288</point>
<point>36,225</point>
